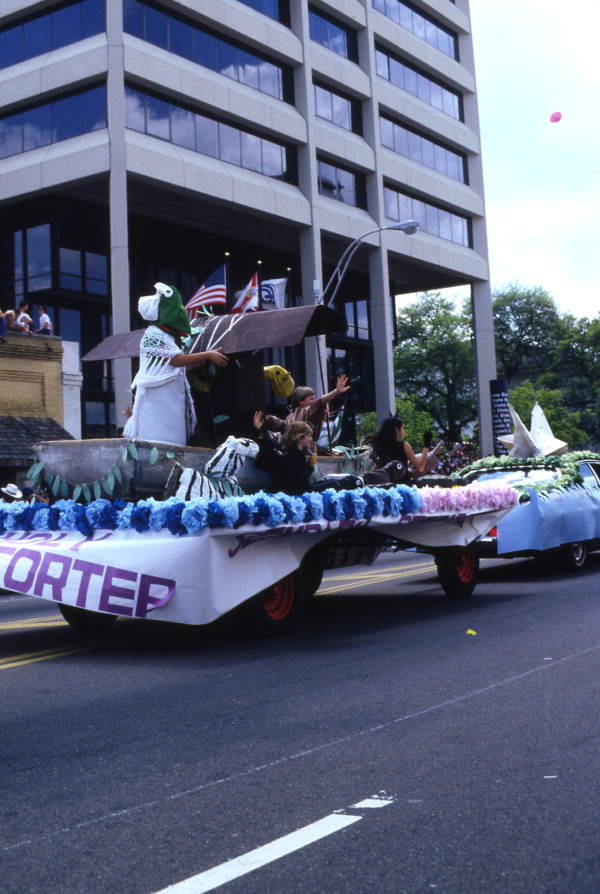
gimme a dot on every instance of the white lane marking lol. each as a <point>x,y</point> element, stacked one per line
<point>550,777</point>
<point>260,856</point>
<point>372,802</point>
<point>307,752</point>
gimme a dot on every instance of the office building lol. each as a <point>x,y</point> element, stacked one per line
<point>145,140</point>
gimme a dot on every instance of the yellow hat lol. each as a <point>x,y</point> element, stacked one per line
<point>280,380</point>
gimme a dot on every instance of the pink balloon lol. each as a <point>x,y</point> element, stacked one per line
<point>555,116</point>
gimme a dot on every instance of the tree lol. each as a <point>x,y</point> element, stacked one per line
<point>528,330</point>
<point>434,363</point>
<point>564,423</point>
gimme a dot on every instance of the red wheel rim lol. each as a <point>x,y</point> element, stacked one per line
<point>279,600</point>
<point>465,567</point>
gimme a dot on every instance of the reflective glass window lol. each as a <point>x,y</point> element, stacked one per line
<point>70,269</point>
<point>11,46</point>
<point>39,268</point>
<point>181,39</point>
<point>330,34</point>
<point>11,135</point>
<point>267,7</point>
<point>66,118</point>
<point>248,69</point>
<point>273,159</point>
<point>65,26</point>
<point>135,114</point>
<point>133,18</point>
<point>93,109</point>
<point>70,324</point>
<point>323,103</point>
<point>37,37</point>
<point>362,320</point>
<point>37,127</point>
<point>183,127</point>
<point>93,17</point>
<point>387,133</point>
<point>190,41</point>
<point>418,84</point>
<point>207,136</point>
<point>422,149</point>
<point>432,219</point>
<point>251,152</point>
<point>155,27</point>
<point>157,117</point>
<point>229,144</point>
<point>327,180</point>
<point>96,273</point>
<point>420,25</point>
<point>342,111</point>
<point>227,60</point>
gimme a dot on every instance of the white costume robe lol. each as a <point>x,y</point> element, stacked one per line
<point>163,409</point>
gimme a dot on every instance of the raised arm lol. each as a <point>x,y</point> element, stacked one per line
<point>342,385</point>
<point>199,359</point>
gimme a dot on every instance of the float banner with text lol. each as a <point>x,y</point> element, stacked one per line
<point>196,578</point>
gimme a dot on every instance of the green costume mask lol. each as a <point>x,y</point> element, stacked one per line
<point>172,316</point>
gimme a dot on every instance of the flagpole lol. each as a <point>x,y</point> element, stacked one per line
<point>227,303</point>
<point>259,283</point>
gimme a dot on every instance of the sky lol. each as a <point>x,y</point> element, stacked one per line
<point>542,179</point>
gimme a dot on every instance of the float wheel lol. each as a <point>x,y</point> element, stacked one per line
<point>86,622</point>
<point>278,608</point>
<point>457,570</point>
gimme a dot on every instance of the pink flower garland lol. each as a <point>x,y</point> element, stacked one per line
<point>472,498</point>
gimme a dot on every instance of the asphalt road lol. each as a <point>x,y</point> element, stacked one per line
<point>383,747</point>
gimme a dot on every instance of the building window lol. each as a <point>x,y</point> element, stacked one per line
<point>337,108</point>
<point>32,260</point>
<point>41,125</point>
<point>357,317</point>
<point>163,29</point>
<point>183,127</point>
<point>50,30</point>
<point>420,25</point>
<point>275,9</point>
<point>83,271</point>
<point>341,184</point>
<point>432,219</point>
<point>333,35</point>
<point>418,84</point>
<point>421,149</point>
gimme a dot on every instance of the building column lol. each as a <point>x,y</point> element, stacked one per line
<point>117,197</point>
<point>381,331</point>
<point>311,264</point>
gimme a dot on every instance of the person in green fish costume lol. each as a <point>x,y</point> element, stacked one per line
<point>163,409</point>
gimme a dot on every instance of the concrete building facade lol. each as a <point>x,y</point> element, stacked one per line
<point>145,140</point>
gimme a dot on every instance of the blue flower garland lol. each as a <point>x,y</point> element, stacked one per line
<point>195,516</point>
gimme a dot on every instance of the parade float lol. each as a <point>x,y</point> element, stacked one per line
<point>116,543</point>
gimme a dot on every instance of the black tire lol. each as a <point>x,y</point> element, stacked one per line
<point>279,608</point>
<point>312,576</point>
<point>573,556</point>
<point>86,622</point>
<point>457,569</point>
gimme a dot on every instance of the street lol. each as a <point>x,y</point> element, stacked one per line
<point>398,742</point>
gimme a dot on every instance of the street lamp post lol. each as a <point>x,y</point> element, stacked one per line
<point>406,226</point>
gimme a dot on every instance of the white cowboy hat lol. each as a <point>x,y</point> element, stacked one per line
<point>12,491</point>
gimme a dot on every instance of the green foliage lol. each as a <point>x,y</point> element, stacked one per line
<point>565,424</point>
<point>434,363</point>
<point>416,421</point>
<point>528,328</point>
<point>566,465</point>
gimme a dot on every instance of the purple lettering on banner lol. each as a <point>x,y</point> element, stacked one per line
<point>56,582</point>
<point>147,603</point>
<point>75,546</point>
<point>13,583</point>
<point>87,569</point>
<point>111,590</point>
<point>7,551</point>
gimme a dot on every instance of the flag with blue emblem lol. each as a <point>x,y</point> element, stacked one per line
<point>272,294</point>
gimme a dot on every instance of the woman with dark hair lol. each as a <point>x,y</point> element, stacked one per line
<point>393,454</point>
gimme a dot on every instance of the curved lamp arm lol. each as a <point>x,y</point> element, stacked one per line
<point>407,226</point>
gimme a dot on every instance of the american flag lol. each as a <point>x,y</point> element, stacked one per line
<point>212,291</point>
